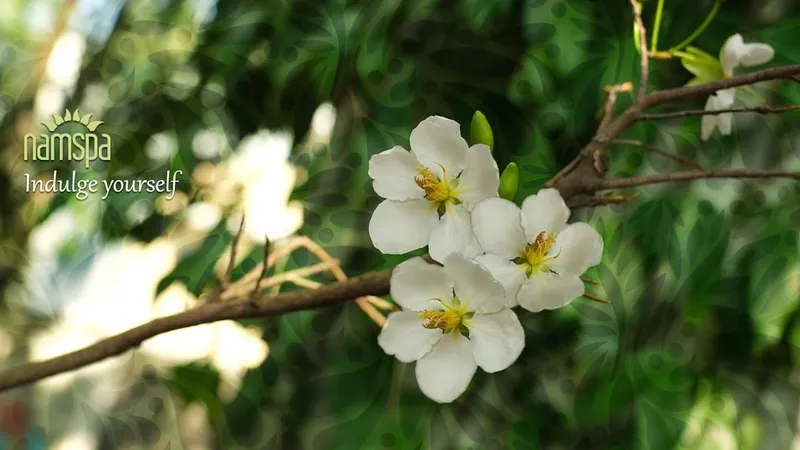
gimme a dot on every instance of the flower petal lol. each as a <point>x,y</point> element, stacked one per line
<point>731,51</point>
<point>497,339</point>
<point>453,235</point>
<point>393,172</point>
<point>399,227</point>
<point>707,126</point>
<point>497,224</point>
<point>544,211</point>
<point>578,247</point>
<point>404,336</point>
<point>755,54</point>
<point>725,122</point>
<point>437,141</point>
<point>549,291</point>
<point>510,275</point>
<point>725,98</point>
<point>709,122</point>
<point>445,372</point>
<point>480,178</point>
<point>416,282</point>
<point>474,285</point>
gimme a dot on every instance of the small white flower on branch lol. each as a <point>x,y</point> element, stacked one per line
<point>735,53</point>
<point>430,191</point>
<point>454,320</point>
<point>720,100</point>
<point>532,252</point>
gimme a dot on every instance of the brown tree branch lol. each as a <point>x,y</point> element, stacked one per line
<point>580,179</point>
<point>694,175</point>
<point>702,112</point>
<point>374,283</point>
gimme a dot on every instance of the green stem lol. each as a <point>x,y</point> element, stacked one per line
<point>699,29</point>
<point>681,54</point>
<point>657,26</point>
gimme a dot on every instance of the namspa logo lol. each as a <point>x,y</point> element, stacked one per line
<point>70,138</point>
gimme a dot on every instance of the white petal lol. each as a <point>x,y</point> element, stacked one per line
<point>707,126</point>
<point>755,54</point>
<point>445,372</point>
<point>393,172</point>
<point>497,224</point>
<point>510,275</point>
<point>404,336</point>
<point>497,339</point>
<point>709,123</point>
<point>578,247</point>
<point>474,285</point>
<point>549,291</point>
<point>437,141</point>
<point>544,211</point>
<point>731,51</point>
<point>724,122</point>
<point>400,227</point>
<point>480,178</point>
<point>415,283</point>
<point>725,98</point>
<point>453,235</point>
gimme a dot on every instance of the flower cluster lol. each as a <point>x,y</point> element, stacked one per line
<point>494,256</point>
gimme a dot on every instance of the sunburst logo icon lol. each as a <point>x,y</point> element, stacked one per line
<point>71,137</point>
<point>75,118</point>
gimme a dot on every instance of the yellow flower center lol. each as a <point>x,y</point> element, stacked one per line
<point>535,256</point>
<point>437,190</point>
<point>451,318</point>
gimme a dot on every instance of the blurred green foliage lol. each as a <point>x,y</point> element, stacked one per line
<point>697,346</point>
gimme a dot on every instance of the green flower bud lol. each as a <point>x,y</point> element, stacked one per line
<point>509,182</point>
<point>480,132</point>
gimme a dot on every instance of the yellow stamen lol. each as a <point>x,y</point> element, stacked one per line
<point>436,190</point>
<point>449,319</point>
<point>535,255</point>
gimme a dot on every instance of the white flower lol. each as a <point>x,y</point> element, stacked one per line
<point>721,100</point>
<point>735,53</point>
<point>430,190</point>
<point>532,251</point>
<point>454,320</point>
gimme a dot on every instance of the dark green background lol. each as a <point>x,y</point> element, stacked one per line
<point>703,278</point>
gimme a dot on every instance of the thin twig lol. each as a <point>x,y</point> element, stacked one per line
<point>594,297</point>
<point>292,275</point>
<point>692,113</point>
<point>304,282</point>
<point>654,149</point>
<point>694,175</point>
<point>645,59</point>
<point>226,280</point>
<point>339,274</point>
<point>264,269</point>
<point>601,200</point>
<point>381,303</point>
